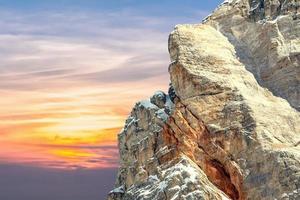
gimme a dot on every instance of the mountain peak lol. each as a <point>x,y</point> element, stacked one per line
<point>230,126</point>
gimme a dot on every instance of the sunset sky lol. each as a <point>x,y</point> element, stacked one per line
<point>70,72</point>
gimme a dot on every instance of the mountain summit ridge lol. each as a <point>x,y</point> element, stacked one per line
<point>230,126</point>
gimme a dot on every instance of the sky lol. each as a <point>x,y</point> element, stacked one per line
<point>70,72</point>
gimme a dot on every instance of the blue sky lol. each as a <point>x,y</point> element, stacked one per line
<point>145,6</point>
<point>76,68</point>
<point>96,30</point>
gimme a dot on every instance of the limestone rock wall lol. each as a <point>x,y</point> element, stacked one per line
<point>239,130</point>
<point>228,127</point>
<point>269,45</point>
<point>152,164</point>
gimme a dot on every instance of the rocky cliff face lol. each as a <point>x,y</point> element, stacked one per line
<point>229,127</point>
<point>266,37</point>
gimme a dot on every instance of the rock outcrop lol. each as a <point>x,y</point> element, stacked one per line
<point>266,36</point>
<point>229,127</point>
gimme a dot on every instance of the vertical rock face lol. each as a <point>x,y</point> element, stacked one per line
<point>266,37</point>
<point>229,127</point>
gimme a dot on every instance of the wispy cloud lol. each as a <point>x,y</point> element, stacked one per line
<point>43,46</point>
<point>72,78</point>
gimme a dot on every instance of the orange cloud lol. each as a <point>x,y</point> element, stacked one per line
<point>46,128</point>
<point>62,94</point>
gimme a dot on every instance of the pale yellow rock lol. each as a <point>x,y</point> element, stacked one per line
<point>152,167</point>
<point>250,132</point>
<point>267,41</point>
<point>228,128</point>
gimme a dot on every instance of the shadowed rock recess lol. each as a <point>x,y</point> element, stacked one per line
<point>230,126</point>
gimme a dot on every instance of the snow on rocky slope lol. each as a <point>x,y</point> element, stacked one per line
<point>229,127</point>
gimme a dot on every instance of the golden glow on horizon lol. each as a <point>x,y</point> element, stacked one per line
<point>67,129</point>
<point>66,89</point>
<point>71,154</point>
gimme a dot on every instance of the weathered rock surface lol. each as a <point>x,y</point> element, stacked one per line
<point>266,36</point>
<point>228,129</point>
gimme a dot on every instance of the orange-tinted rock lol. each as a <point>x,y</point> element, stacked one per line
<point>220,134</point>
